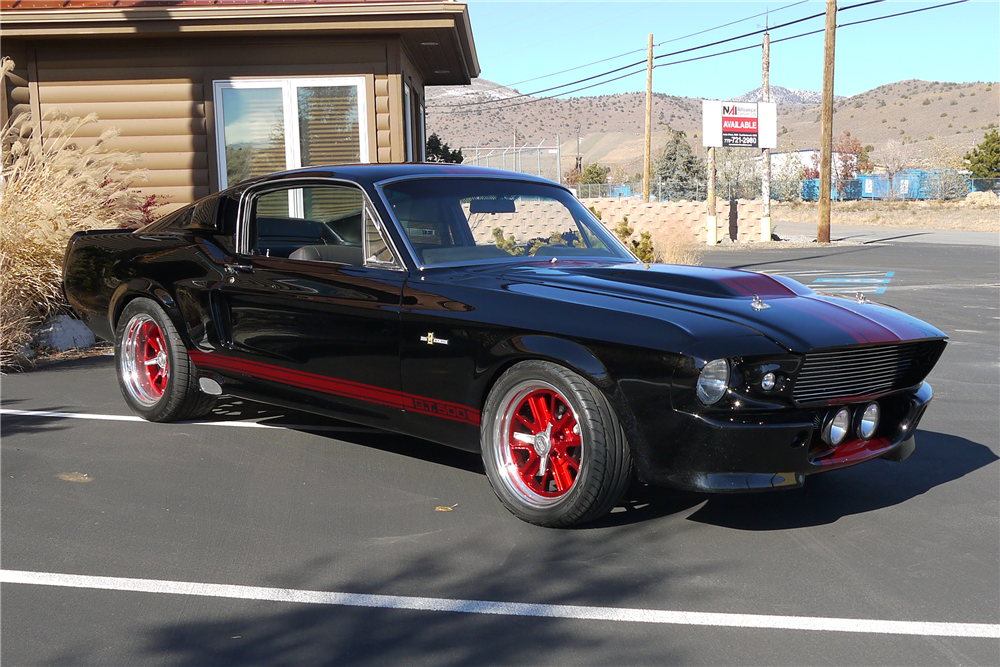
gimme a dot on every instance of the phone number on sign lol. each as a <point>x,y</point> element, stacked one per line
<point>745,140</point>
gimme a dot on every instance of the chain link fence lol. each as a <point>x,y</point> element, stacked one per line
<point>541,160</point>
<point>544,160</point>
<point>907,185</point>
<point>658,191</point>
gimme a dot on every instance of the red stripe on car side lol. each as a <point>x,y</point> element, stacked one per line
<point>335,387</point>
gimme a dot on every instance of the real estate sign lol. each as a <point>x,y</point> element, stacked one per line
<point>743,124</point>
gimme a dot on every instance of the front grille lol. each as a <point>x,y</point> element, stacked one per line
<point>857,372</point>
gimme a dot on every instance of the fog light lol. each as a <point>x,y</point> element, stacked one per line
<point>836,427</point>
<point>868,421</point>
<point>768,382</point>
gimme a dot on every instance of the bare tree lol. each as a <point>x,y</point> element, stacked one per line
<point>738,173</point>
<point>787,175</point>
<point>893,157</point>
<point>949,175</point>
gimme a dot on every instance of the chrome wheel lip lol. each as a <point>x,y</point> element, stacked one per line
<point>135,377</point>
<point>506,467</point>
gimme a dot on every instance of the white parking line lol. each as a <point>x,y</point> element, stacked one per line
<point>131,418</point>
<point>624,615</point>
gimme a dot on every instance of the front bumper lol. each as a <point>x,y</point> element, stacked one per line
<point>776,450</point>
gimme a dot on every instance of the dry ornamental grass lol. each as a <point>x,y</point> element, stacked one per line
<point>52,188</point>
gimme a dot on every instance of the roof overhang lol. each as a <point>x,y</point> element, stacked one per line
<point>440,31</point>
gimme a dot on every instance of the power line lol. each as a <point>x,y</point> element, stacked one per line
<point>643,62</point>
<point>763,30</point>
<point>912,11</point>
<point>668,41</point>
<point>726,25</point>
<point>711,55</point>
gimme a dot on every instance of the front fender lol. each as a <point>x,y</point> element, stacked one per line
<point>628,375</point>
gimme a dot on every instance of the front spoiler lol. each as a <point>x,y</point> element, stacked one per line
<point>771,454</point>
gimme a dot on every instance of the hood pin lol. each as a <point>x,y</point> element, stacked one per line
<point>757,304</point>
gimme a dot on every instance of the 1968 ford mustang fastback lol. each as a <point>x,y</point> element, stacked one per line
<point>491,311</point>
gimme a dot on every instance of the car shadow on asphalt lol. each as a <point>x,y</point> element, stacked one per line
<point>231,409</point>
<point>939,459</point>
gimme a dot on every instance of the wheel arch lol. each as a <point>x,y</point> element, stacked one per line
<point>577,358</point>
<point>138,288</point>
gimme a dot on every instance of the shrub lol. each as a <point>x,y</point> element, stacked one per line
<point>52,188</point>
<point>673,250</point>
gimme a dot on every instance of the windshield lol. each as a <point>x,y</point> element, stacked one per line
<point>448,220</point>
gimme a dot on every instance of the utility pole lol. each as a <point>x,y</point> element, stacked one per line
<point>765,182</point>
<point>559,174</point>
<point>712,229</point>
<point>647,145</point>
<point>579,158</point>
<point>514,157</point>
<point>826,143</point>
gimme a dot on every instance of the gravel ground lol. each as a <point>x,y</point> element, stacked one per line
<point>979,214</point>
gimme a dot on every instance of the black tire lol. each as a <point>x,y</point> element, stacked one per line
<point>581,467</point>
<point>155,373</point>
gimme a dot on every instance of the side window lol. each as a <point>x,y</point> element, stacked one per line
<point>319,223</point>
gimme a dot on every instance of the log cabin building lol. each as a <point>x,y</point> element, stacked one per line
<point>211,92</point>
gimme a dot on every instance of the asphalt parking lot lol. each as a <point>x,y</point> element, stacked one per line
<point>307,542</point>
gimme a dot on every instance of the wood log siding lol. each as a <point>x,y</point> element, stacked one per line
<point>17,94</point>
<point>159,113</point>
<point>158,94</point>
<point>127,110</point>
<point>383,136</point>
<point>125,91</point>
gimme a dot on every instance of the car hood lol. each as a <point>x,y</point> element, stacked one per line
<point>790,314</point>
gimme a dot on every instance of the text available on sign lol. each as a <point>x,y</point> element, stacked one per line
<point>739,124</point>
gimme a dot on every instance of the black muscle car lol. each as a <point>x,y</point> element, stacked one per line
<point>490,311</point>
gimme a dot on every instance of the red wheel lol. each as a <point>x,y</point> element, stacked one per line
<point>144,362</point>
<point>553,448</point>
<point>544,440</point>
<point>155,373</point>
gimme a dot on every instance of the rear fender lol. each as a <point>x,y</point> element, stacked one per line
<point>143,287</point>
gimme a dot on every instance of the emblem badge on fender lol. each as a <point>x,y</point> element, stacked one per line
<point>431,340</point>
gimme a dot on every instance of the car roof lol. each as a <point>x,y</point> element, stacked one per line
<point>369,174</point>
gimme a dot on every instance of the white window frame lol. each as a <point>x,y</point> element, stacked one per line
<point>407,122</point>
<point>290,117</point>
<point>423,131</point>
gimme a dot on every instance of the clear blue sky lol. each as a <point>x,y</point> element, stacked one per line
<point>522,40</point>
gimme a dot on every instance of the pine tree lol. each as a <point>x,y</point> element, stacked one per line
<point>679,166</point>
<point>984,159</point>
<point>440,152</point>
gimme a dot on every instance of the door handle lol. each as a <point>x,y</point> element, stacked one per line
<point>237,268</point>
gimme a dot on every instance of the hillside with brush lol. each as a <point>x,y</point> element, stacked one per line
<point>930,117</point>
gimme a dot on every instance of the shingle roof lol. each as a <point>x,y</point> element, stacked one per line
<point>92,4</point>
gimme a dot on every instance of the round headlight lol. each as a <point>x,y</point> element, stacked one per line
<point>868,421</point>
<point>836,427</point>
<point>768,382</point>
<point>713,381</point>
